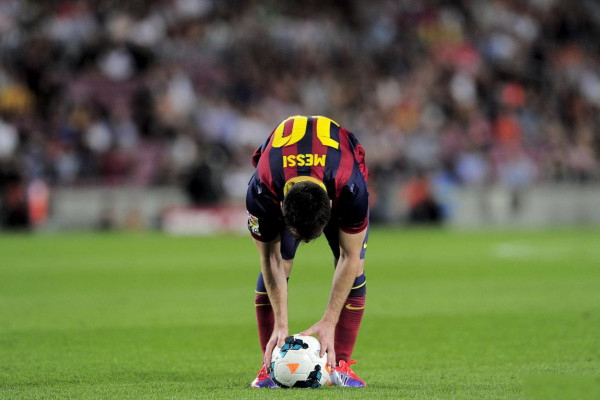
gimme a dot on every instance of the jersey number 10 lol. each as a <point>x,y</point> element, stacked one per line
<point>299,130</point>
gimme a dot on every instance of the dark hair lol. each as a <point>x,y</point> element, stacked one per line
<point>306,210</point>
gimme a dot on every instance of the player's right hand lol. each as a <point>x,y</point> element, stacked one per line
<point>277,339</point>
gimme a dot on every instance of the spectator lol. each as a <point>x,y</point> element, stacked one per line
<point>422,207</point>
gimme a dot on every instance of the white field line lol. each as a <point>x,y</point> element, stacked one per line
<point>527,251</point>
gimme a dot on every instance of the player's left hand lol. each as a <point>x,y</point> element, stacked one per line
<point>325,332</point>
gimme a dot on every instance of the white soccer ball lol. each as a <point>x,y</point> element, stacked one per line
<point>297,364</point>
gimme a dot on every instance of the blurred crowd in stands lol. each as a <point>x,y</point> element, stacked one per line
<point>153,92</point>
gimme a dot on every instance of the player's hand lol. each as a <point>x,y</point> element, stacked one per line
<point>277,339</point>
<point>325,332</point>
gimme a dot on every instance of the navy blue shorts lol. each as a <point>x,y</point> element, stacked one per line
<point>289,244</point>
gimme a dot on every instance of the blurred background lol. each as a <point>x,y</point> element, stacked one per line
<point>144,114</point>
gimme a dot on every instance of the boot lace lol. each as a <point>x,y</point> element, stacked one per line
<point>262,374</point>
<point>344,367</point>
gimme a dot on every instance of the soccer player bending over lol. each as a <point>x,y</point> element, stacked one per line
<point>310,178</point>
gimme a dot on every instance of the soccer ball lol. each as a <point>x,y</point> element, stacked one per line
<point>298,365</point>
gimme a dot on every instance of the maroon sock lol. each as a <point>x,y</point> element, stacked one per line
<point>264,318</point>
<point>347,327</point>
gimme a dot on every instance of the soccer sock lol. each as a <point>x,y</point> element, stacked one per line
<point>264,313</point>
<point>346,329</point>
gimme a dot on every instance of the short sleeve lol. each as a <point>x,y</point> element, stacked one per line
<point>352,208</point>
<point>265,220</point>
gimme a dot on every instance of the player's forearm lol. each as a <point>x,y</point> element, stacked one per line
<point>344,276</point>
<point>276,284</point>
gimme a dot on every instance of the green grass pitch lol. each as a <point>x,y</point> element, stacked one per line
<point>450,315</point>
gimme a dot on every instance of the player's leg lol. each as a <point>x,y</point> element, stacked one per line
<point>264,311</point>
<point>346,330</point>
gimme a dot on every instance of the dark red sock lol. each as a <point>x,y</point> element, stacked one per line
<point>347,327</point>
<point>264,318</point>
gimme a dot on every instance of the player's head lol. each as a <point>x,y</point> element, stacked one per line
<point>306,210</point>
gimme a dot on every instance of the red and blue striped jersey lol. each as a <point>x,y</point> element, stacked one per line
<point>316,149</point>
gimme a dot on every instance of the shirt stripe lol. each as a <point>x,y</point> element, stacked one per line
<point>265,172</point>
<point>346,167</point>
<point>332,164</point>
<point>318,171</point>
<point>305,147</point>
<point>288,150</point>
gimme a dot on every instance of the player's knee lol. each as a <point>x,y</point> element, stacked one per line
<point>261,298</point>
<point>260,284</point>
<point>261,290</point>
<point>359,287</point>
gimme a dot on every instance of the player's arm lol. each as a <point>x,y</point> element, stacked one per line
<point>273,272</point>
<point>343,278</point>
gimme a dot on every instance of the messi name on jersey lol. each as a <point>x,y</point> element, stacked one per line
<point>302,160</point>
